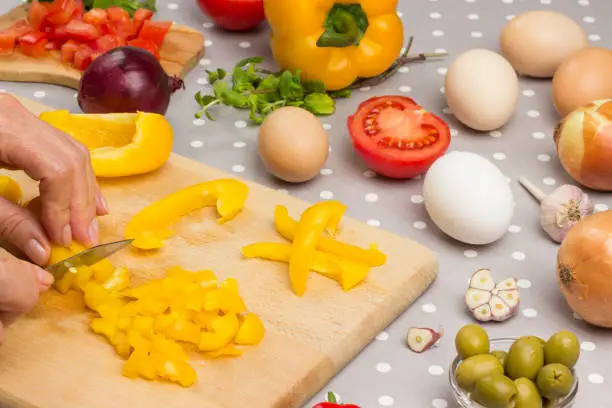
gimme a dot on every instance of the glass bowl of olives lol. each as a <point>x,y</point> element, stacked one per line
<point>514,372</point>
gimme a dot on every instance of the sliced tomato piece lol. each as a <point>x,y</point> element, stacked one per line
<point>57,33</point>
<point>61,11</point>
<point>69,48</point>
<point>125,29</point>
<point>108,42</point>
<point>33,44</point>
<point>117,14</point>
<point>155,31</point>
<point>20,28</point>
<point>32,37</point>
<point>82,31</point>
<point>79,9</point>
<point>140,16</point>
<point>53,45</point>
<point>96,16</point>
<point>8,41</point>
<point>146,45</point>
<point>37,14</point>
<point>82,58</point>
<point>396,137</point>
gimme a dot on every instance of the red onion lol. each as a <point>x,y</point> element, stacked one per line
<point>126,80</point>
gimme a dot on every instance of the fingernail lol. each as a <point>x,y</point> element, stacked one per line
<point>104,204</point>
<point>36,252</point>
<point>67,236</point>
<point>45,277</point>
<point>93,232</point>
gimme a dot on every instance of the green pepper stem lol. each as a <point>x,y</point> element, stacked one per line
<point>343,31</point>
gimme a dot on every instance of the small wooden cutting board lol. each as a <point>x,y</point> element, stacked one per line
<point>181,51</point>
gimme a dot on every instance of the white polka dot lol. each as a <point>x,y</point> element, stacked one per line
<point>528,92</point>
<point>400,14</point>
<point>244,44</point>
<point>439,403</point>
<point>509,180</point>
<point>473,16</point>
<point>371,197</point>
<point>442,90</point>
<point>594,37</point>
<point>530,313</point>
<point>442,70</point>
<point>437,33</point>
<point>196,143</point>
<point>538,135</point>
<point>208,43</point>
<point>199,122</point>
<point>601,207</point>
<point>596,378</point>
<point>240,124</point>
<point>447,110</point>
<point>476,34</point>
<point>326,172</point>
<point>429,308</point>
<point>385,401</point>
<point>327,126</point>
<point>440,50</point>
<point>470,1</point>
<point>507,1</point>
<point>499,156</point>
<point>205,61</point>
<point>495,133</point>
<point>546,2</point>
<point>208,24</point>
<point>373,223</point>
<point>587,346</point>
<point>282,191</point>
<point>419,225</point>
<point>76,95</point>
<point>239,145</point>
<point>326,195</point>
<point>173,6</point>
<point>369,174</point>
<point>549,181</point>
<point>543,157</point>
<point>519,256</point>
<point>510,17</point>
<point>417,198</point>
<point>588,19</point>
<point>583,2</point>
<point>435,16</point>
<point>470,253</point>
<point>40,94</point>
<point>382,336</point>
<point>237,168</point>
<point>383,367</point>
<point>435,370</point>
<point>454,132</point>
<point>202,81</point>
<point>533,114</point>
<point>404,70</point>
<point>523,284</point>
<point>514,229</point>
<point>576,316</point>
<point>405,88</point>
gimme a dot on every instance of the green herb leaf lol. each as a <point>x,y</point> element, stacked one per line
<point>241,81</point>
<point>290,87</point>
<point>269,83</point>
<point>251,60</point>
<point>205,102</point>
<point>320,104</point>
<point>230,97</point>
<point>254,113</point>
<point>214,76</point>
<point>342,93</point>
<point>314,87</point>
<point>129,5</point>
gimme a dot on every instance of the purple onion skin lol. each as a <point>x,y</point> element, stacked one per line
<point>126,80</point>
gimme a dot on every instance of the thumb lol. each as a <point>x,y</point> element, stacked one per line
<point>21,228</point>
<point>20,286</point>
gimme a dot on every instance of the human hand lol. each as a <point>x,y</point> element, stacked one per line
<point>70,195</point>
<point>21,283</point>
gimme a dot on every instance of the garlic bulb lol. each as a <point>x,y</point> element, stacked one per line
<point>561,209</point>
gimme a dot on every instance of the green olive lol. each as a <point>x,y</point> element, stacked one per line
<point>471,340</point>
<point>500,355</point>
<point>495,391</point>
<point>555,381</point>
<point>528,395</point>
<point>474,368</point>
<point>563,348</point>
<point>541,340</point>
<point>525,358</point>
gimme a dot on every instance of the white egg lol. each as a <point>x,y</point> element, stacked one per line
<point>468,198</point>
<point>481,89</point>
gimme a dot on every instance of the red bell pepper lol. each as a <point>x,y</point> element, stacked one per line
<point>333,403</point>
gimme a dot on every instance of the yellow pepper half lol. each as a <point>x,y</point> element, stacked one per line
<point>151,225</point>
<point>335,41</point>
<point>121,144</point>
<point>10,189</point>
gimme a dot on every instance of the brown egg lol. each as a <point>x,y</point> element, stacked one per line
<point>293,144</point>
<point>584,77</point>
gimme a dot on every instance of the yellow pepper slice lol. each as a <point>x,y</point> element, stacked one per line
<point>103,270</point>
<point>227,351</point>
<point>251,330</point>
<point>140,364</point>
<point>286,226</point>
<point>120,144</point>
<point>224,331</point>
<point>346,272</point>
<point>151,225</point>
<point>119,280</point>
<point>10,189</point>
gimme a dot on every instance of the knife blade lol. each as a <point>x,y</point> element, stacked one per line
<point>87,257</point>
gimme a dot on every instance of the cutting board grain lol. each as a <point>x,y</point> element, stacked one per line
<point>50,359</point>
<point>181,51</point>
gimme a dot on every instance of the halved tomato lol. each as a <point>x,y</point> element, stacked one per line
<point>140,16</point>
<point>82,31</point>
<point>8,41</point>
<point>155,31</point>
<point>95,16</point>
<point>37,14</point>
<point>396,137</point>
<point>146,45</point>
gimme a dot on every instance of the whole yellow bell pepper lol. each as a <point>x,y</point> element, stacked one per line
<point>335,41</point>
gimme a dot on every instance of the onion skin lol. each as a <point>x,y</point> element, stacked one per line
<point>584,269</point>
<point>584,144</point>
<point>126,80</point>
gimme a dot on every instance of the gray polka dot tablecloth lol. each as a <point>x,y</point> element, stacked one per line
<point>386,373</point>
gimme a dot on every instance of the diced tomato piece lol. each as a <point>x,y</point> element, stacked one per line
<point>82,31</point>
<point>32,37</point>
<point>7,43</point>
<point>37,14</point>
<point>125,29</point>
<point>33,44</point>
<point>20,28</point>
<point>61,11</point>
<point>82,58</point>
<point>117,14</point>
<point>53,45</point>
<point>69,48</point>
<point>57,33</point>
<point>146,45</point>
<point>107,43</point>
<point>155,31</point>
<point>140,16</point>
<point>96,16</point>
<point>79,9</point>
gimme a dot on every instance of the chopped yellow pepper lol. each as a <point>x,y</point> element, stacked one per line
<point>10,189</point>
<point>227,351</point>
<point>224,329</point>
<point>251,330</point>
<point>119,280</point>
<point>151,225</point>
<point>287,226</point>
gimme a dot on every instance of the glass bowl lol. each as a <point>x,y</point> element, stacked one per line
<point>503,344</point>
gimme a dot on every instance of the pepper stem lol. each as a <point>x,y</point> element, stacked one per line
<point>344,26</point>
<point>532,189</point>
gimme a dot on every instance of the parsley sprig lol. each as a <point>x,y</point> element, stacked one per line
<point>128,5</point>
<point>261,91</point>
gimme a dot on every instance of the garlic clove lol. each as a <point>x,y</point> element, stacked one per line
<point>477,297</point>
<point>507,284</point>
<point>482,279</point>
<point>482,313</point>
<point>500,311</point>
<point>419,339</point>
<point>510,297</point>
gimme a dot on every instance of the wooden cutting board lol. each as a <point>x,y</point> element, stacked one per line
<point>181,51</point>
<point>50,358</point>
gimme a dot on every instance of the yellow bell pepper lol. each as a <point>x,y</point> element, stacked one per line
<point>10,189</point>
<point>224,330</point>
<point>251,330</point>
<point>335,41</point>
<point>286,226</point>
<point>151,225</point>
<point>121,144</point>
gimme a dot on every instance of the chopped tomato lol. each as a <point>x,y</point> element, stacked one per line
<point>7,43</point>
<point>53,45</point>
<point>33,44</point>
<point>155,31</point>
<point>95,16</point>
<point>62,11</point>
<point>140,16</point>
<point>397,138</point>
<point>32,37</point>
<point>82,58</point>
<point>108,42</point>
<point>20,28</point>
<point>124,29</point>
<point>79,9</point>
<point>146,45</point>
<point>57,33</point>
<point>117,14</point>
<point>37,14</point>
<point>69,48</point>
<point>82,31</point>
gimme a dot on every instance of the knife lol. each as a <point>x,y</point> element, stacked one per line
<point>87,257</point>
